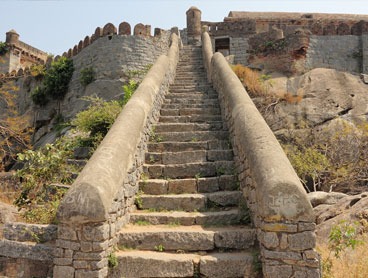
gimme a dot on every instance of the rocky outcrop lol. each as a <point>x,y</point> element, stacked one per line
<point>327,94</point>
<point>331,208</point>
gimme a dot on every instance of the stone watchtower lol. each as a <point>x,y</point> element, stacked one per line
<point>194,28</point>
<point>12,37</point>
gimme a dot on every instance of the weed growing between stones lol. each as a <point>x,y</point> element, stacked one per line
<point>142,223</point>
<point>160,248</point>
<point>138,200</point>
<point>112,260</point>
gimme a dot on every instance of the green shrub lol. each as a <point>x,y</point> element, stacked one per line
<point>308,162</point>
<point>98,118</point>
<point>3,48</point>
<point>39,96</point>
<point>38,71</point>
<point>38,199</point>
<point>57,78</point>
<point>129,90</point>
<point>87,76</point>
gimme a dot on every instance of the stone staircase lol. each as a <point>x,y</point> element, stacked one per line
<point>189,221</point>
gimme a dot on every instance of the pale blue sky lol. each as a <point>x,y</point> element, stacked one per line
<point>56,26</point>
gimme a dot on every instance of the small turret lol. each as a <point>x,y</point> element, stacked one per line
<point>194,25</point>
<point>12,37</point>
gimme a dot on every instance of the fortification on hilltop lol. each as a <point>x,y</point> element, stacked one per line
<point>20,55</point>
<point>287,42</point>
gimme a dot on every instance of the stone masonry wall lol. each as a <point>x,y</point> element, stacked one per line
<point>278,203</point>
<point>337,52</point>
<point>111,59</point>
<point>239,48</point>
<point>99,202</point>
<point>364,39</point>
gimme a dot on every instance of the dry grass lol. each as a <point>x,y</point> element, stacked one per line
<point>250,79</point>
<point>352,264</point>
<point>291,98</point>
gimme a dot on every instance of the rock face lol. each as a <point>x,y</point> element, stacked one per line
<point>327,94</point>
<point>331,208</point>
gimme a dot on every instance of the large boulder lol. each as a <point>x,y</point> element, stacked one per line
<point>327,94</point>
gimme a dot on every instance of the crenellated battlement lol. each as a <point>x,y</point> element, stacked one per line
<point>110,30</point>
<point>322,26</point>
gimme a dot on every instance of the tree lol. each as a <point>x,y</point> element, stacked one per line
<point>15,132</point>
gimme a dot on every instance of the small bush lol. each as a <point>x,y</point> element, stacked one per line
<point>57,78</point>
<point>42,168</point>
<point>98,118</point>
<point>129,90</point>
<point>38,71</point>
<point>3,48</point>
<point>39,96</point>
<point>87,76</point>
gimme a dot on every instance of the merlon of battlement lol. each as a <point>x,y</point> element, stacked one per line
<point>238,16</point>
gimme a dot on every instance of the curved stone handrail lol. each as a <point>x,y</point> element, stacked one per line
<point>91,195</point>
<point>280,195</point>
<point>277,200</point>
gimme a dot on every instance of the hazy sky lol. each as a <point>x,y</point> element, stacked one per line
<point>56,26</point>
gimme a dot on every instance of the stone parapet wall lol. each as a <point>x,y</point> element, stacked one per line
<point>277,200</point>
<point>337,52</point>
<point>99,202</point>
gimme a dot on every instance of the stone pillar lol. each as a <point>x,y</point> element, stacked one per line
<point>365,54</point>
<point>12,37</point>
<point>194,29</point>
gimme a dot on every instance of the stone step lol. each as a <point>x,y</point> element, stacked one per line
<point>188,101</point>
<point>190,136</point>
<point>185,105</point>
<point>189,186</point>
<point>174,237</point>
<point>190,119</point>
<point>192,91</point>
<point>189,84</point>
<point>181,127</point>
<point>190,111</point>
<point>183,157</point>
<point>133,264</point>
<point>188,146</point>
<point>191,96</point>
<point>231,216</point>
<point>190,202</point>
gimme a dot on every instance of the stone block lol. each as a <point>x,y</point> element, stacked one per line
<point>306,227</point>
<point>86,246</point>
<point>207,185</point>
<point>154,187</point>
<point>227,265</point>
<point>172,240</point>
<point>279,255</point>
<point>279,271</point>
<point>153,264</point>
<point>72,245</point>
<point>228,182</point>
<point>93,256</point>
<point>66,232</point>
<point>279,227</point>
<point>63,272</point>
<point>302,241</point>
<point>91,274</point>
<point>240,238</point>
<point>182,186</point>
<point>63,261</point>
<point>268,239</point>
<point>224,198</point>
<point>100,246</point>
<point>96,233</point>
<point>80,264</point>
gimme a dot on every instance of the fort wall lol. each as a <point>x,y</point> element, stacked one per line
<point>338,52</point>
